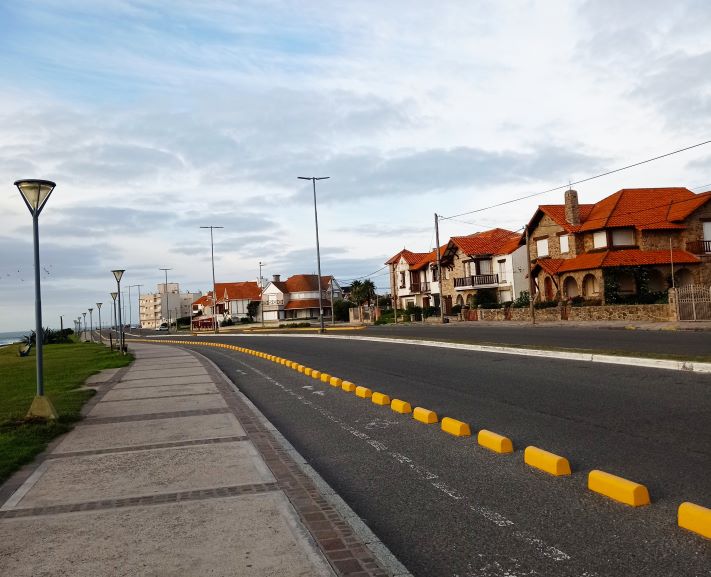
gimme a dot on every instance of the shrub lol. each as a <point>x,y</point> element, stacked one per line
<point>523,300</point>
<point>430,312</point>
<point>456,309</point>
<point>245,320</point>
<point>545,304</point>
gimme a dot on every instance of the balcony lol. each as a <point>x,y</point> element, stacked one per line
<point>273,305</point>
<point>476,281</point>
<point>420,287</point>
<point>699,246</point>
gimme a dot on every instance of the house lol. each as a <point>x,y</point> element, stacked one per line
<point>165,305</point>
<point>489,265</point>
<point>233,298</point>
<point>297,297</point>
<point>413,278</point>
<point>629,243</point>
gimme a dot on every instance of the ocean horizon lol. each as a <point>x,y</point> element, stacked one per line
<point>12,337</point>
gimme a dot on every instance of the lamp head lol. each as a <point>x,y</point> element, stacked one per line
<point>35,192</point>
<point>114,295</point>
<point>91,311</point>
<point>98,305</point>
<point>118,274</point>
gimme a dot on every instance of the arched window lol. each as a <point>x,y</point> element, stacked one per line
<point>570,287</point>
<point>590,289</point>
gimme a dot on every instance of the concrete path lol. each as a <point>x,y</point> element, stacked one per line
<point>172,473</point>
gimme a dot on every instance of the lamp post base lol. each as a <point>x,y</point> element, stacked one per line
<point>42,407</point>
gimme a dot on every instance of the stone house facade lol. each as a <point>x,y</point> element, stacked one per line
<point>632,241</point>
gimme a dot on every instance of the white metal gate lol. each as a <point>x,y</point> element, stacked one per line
<point>694,302</point>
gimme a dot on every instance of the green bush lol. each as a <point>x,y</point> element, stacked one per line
<point>523,300</point>
<point>245,320</point>
<point>456,309</point>
<point>545,304</point>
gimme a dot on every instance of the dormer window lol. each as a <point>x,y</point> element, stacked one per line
<point>542,247</point>
<point>600,239</point>
<point>623,237</point>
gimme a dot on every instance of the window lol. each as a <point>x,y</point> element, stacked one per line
<point>502,270</point>
<point>435,270</point>
<point>446,273</point>
<point>600,239</point>
<point>542,247</point>
<point>402,280</point>
<point>623,237</point>
<point>564,244</point>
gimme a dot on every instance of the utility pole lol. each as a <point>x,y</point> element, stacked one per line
<point>165,292</point>
<point>439,270</point>
<point>214,284</point>
<point>531,283</point>
<point>313,179</point>
<point>261,293</point>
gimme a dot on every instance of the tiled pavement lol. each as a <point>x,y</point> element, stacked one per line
<point>172,473</point>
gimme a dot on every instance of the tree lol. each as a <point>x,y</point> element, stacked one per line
<point>252,309</point>
<point>362,291</point>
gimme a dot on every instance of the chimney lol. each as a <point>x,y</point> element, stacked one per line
<point>276,278</point>
<point>572,209</point>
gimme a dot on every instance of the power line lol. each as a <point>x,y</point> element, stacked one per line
<point>578,181</point>
<point>366,275</point>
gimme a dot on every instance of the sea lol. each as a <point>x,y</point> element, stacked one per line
<point>9,338</point>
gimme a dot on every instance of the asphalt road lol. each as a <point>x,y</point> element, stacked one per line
<point>448,507</point>
<point>688,343</point>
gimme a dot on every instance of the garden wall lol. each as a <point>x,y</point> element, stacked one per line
<point>652,313</point>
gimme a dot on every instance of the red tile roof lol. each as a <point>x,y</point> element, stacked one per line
<point>409,256</point>
<point>204,300</point>
<point>235,291</point>
<point>488,242</point>
<point>614,258</point>
<point>303,304</point>
<point>550,265</point>
<point>428,258</point>
<point>642,208</point>
<point>305,283</point>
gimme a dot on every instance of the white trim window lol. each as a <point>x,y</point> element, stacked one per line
<point>600,239</point>
<point>564,244</point>
<point>542,247</point>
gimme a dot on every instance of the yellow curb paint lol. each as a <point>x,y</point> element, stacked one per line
<point>380,399</point>
<point>363,392</point>
<point>335,382</point>
<point>545,461</point>
<point>348,386</point>
<point>300,368</point>
<point>424,416</point>
<point>695,518</point>
<point>617,488</point>
<point>400,406</point>
<point>325,377</point>
<point>455,427</point>
<point>307,371</point>
<point>316,374</point>
<point>494,442</point>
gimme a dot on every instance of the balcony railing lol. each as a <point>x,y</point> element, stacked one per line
<point>699,246</point>
<point>476,280</point>
<point>270,306</point>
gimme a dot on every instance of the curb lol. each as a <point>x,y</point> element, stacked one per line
<point>688,366</point>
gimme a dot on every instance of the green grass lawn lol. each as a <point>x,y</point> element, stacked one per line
<point>66,367</point>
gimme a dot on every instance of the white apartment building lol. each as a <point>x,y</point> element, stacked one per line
<point>165,305</point>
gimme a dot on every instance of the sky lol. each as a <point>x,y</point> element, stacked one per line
<point>156,117</point>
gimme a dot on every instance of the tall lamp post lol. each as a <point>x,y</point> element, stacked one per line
<point>35,193</point>
<point>261,293</point>
<point>313,179</point>
<point>84,315</point>
<point>98,307</point>
<point>214,286</point>
<point>91,325</point>
<point>118,273</point>
<point>113,297</point>
<point>167,302</point>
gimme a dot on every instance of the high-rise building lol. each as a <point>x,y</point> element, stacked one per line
<point>166,305</point>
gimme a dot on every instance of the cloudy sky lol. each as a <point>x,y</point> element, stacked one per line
<point>156,117</point>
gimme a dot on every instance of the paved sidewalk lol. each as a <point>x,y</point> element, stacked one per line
<point>172,473</point>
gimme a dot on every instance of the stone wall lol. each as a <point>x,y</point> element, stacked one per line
<point>652,313</point>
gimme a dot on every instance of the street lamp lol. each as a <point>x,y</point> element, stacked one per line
<point>35,193</point>
<point>261,291</point>
<point>167,301</point>
<point>91,325</point>
<point>118,273</point>
<point>113,297</point>
<point>313,179</point>
<point>214,286</point>
<point>84,315</point>
<point>98,306</point>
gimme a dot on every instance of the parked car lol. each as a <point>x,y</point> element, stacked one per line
<point>162,327</point>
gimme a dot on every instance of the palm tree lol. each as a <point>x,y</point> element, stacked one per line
<point>368,288</point>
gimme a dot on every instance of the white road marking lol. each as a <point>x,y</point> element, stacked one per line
<point>432,478</point>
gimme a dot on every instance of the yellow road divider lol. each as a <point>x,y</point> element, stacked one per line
<point>348,386</point>
<point>455,427</point>
<point>308,371</point>
<point>300,368</point>
<point>335,382</point>
<point>316,374</point>
<point>380,399</point>
<point>400,406</point>
<point>325,377</point>
<point>619,489</point>
<point>363,392</point>
<point>494,442</point>
<point>545,461</point>
<point>695,518</point>
<point>424,416</point>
